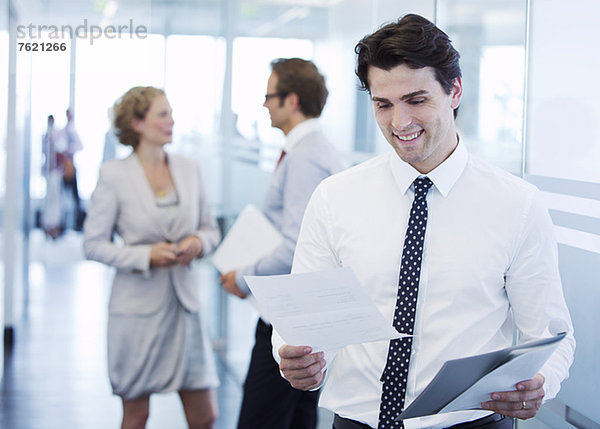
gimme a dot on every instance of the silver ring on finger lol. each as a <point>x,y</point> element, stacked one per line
<point>523,405</point>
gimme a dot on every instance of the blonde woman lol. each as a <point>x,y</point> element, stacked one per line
<point>156,202</point>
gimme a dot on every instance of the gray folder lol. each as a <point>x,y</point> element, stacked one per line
<point>458,384</point>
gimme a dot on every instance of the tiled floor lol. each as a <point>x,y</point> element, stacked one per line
<point>55,375</point>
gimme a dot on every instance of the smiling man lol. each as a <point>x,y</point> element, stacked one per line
<point>452,250</point>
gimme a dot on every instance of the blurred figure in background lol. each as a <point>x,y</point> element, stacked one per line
<point>51,218</point>
<point>157,203</point>
<point>68,143</point>
<point>296,95</point>
<point>111,141</point>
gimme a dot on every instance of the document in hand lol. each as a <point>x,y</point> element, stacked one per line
<point>326,310</point>
<point>463,384</point>
<point>250,238</point>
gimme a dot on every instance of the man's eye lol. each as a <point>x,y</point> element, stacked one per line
<point>416,101</point>
<point>383,106</point>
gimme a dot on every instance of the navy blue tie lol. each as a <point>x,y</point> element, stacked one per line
<point>396,368</point>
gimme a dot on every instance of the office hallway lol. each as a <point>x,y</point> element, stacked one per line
<point>55,375</point>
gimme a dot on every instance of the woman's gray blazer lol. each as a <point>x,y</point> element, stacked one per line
<point>123,202</point>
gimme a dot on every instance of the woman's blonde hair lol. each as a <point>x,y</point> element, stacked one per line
<point>134,104</point>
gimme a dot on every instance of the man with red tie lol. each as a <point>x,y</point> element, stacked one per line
<point>296,95</point>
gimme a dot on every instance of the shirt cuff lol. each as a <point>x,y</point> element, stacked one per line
<point>206,244</point>
<point>239,279</point>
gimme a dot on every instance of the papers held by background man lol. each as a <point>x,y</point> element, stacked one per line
<point>250,238</point>
<point>326,310</point>
<point>463,384</point>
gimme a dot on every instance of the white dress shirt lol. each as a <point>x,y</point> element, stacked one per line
<point>489,264</point>
<point>303,129</point>
<point>309,159</point>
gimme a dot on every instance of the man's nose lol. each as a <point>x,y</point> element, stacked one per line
<point>401,118</point>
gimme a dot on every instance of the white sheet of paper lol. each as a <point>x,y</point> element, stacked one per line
<point>326,310</point>
<point>250,238</point>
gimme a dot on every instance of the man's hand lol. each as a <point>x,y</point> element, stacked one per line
<point>522,403</point>
<point>301,367</point>
<point>188,248</point>
<point>163,255</point>
<point>230,285</point>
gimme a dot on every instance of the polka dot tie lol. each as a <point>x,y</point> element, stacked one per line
<point>396,369</point>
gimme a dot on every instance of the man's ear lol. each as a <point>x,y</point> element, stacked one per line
<point>293,100</point>
<point>456,93</point>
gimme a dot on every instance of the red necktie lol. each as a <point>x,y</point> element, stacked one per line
<point>281,157</point>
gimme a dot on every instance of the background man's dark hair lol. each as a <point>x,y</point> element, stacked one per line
<point>303,78</point>
<point>414,41</point>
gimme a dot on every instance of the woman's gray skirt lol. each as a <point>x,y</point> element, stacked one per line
<point>158,353</point>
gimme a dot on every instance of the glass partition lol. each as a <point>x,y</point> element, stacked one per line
<point>50,72</point>
<point>563,160</point>
<point>490,37</point>
<point>103,72</point>
<point>4,45</point>
<point>194,84</point>
<point>252,57</point>
<point>3,97</point>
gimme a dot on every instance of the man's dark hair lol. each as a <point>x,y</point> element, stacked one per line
<point>302,78</point>
<point>414,41</point>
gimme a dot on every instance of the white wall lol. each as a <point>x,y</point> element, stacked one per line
<point>4,44</point>
<point>563,159</point>
<point>564,95</point>
<point>12,234</point>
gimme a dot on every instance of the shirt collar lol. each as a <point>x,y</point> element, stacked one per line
<point>300,131</point>
<point>444,176</point>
